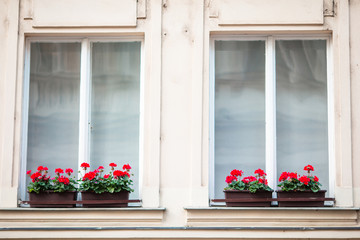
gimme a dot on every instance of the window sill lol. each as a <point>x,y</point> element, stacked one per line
<point>272,217</point>
<point>80,217</point>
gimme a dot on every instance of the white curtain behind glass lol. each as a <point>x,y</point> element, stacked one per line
<point>239,108</point>
<point>53,123</point>
<point>115,106</point>
<point>301,116</point>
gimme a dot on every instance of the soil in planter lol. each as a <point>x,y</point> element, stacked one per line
<point>234,194</point>
<point>123,195</point>
<point>301,194</point>
<point>44,198</point>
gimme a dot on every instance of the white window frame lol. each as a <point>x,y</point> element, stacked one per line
<point>85,100</point>
<point>270,105</point>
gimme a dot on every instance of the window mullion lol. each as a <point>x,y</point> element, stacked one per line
<point>84,119</point>
<point>331,114</point>
<point>212,119</point>
<point>270,113</point>
<point>25,116</point>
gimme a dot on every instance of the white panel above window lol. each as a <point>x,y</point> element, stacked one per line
<point>84,13</point>
<point>266,12</point>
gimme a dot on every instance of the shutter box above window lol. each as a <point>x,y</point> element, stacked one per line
<point>84,13</point>
<point>270,12</point>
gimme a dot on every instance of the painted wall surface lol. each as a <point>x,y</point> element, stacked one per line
<point>355,87</point>
<point>175,178</point>
<point>9,20</point>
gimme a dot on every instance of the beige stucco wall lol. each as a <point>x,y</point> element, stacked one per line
<point>175,186</point>
<point>9,19</point>
<point>355,88</point>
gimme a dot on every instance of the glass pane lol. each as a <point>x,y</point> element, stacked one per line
<point>115,106</point>
<point>53,125</point>
<point>239,109</point>
<point>301,91</point>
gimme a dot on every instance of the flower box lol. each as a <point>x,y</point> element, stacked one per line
<point>305,198</point>
<point>45,191</point>
<point>50,199</point>
<point>247,199</point>
<point>95,199</point>
<point>108,190</point>
<point>301,191</point>
<point>250,191</point>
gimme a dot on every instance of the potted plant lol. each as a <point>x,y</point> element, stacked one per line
<point>116,185</point>
<point>306,188</point>
<point>44,190</point>
<point>252,188</point>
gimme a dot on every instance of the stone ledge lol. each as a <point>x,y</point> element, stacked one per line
<point>183,233</point>
<point>80,217</point>
<point>272,217</point>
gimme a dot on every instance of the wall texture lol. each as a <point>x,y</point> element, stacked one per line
<point>175,179</point>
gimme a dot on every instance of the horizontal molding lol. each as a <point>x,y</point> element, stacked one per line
<point>62,218</point>
<point>272,217</point>
<point>181,228</point>
<point>184,233</point>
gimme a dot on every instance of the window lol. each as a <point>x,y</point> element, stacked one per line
<point>270,107</point>
<point>82,104</point>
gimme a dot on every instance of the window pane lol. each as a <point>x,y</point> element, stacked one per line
<point>301,91</point>
<point>53,124</point>
<point>115,106</point>
<point>239,108</point>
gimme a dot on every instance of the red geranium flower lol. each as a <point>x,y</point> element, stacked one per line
<point>69,171</point>
<point>304,179</point>
<point>260,172</point>
<point>309,168</point>
<point>236,172</point>
<point>293,175</point>
<point>316,179</point>
<point>85,165</point>
<point>283,176</point>
<point>64,180</point>
<point>45,169</point>
<point>59,170</point>
<point>245,180</point>
<point>35,175</point>
<point>126,167</point>
<point>250,179</point>
<point>112,165</point>
<point>40,168</point>
<point>119,173</point>
<point>89,176</point>
<point>264,181</point>
<point>106,176</point>
<point>230,179</point>
<point>28,172</point>
<point>101,168</point>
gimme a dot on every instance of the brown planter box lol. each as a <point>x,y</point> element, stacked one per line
<point>123,195</point>
<point>245,194</point>
<point>43,199</point>
<point>303,196</point>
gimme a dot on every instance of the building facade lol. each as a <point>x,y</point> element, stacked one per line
<point>184,91</point>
